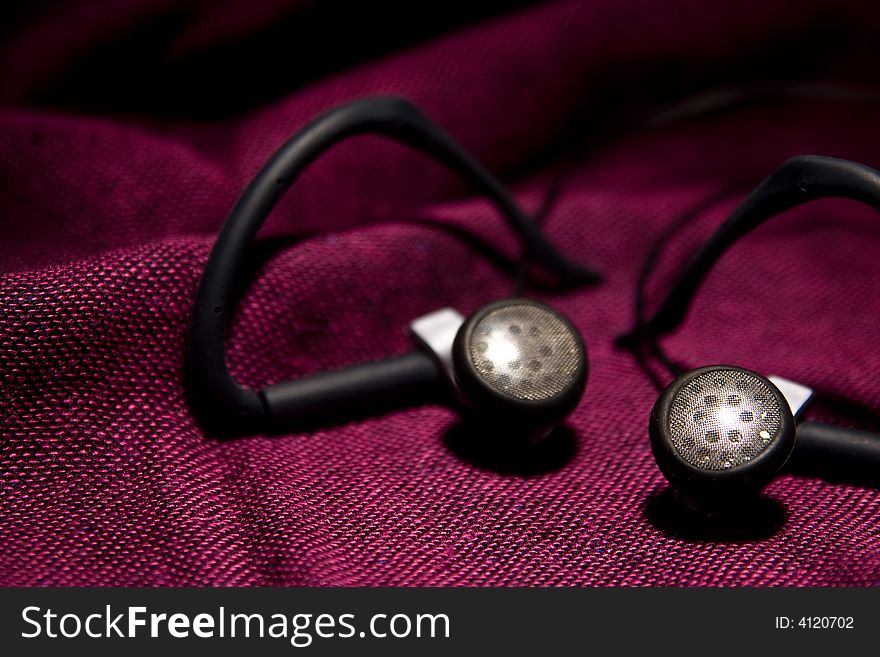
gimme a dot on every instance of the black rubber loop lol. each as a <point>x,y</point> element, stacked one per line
<point>218,400</point>
<point>798,181</point>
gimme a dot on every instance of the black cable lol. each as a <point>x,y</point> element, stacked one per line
<point>548,201</point>
<point>722,99</point>
<point>708,102</point>
<point>797,181</point>
<point>639,339</point>
<point>837,453</point>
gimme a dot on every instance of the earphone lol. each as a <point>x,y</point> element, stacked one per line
<point>515,362</point>
<point>722,431</point>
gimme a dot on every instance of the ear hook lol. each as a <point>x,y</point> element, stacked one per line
<point>217,397</point>
<point>798,181</point>
<point>721,431</point>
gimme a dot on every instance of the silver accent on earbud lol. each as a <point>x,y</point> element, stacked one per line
<point>436,331</point>
<point>525,351</point>
<point>723,418</point>
<point>796,394</point>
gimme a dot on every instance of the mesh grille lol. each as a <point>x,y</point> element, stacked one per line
<point>525,351</point>
<point>724,418</point>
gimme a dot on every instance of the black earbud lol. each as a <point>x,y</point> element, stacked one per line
<point>721,432</point>
<point>519,364</point>
<point>515,362</point>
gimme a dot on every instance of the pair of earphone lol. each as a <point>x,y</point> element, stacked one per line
<point>716,432</point>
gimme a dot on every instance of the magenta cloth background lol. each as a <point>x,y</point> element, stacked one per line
<point>109,209</point>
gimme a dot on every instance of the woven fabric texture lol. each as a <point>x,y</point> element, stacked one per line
<point>109,208</point>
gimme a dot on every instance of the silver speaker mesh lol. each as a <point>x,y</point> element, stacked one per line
<point>525,351</point>
<point>722,419</point>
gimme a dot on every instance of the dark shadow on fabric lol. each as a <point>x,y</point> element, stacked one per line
<point>833,473</point>
<point>313,42</point>
<point>754,520</point>
<point>483,445</point>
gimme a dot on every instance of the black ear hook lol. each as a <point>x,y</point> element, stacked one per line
<point>229,408</point>
<point>798,181</point>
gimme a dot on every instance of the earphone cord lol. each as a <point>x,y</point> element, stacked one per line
<point>548,201</point>
<point>645,343</point>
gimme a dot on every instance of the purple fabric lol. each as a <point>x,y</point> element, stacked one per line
<point>109,213</point>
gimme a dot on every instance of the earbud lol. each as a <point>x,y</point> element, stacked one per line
<point>721,432</point>
<point>516,364</point>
